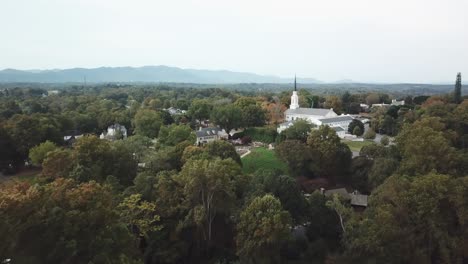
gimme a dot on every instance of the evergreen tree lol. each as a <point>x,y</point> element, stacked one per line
<point>457,93</point>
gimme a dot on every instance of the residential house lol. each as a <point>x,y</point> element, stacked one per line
<point>210,134</point>
<point>114,132</point>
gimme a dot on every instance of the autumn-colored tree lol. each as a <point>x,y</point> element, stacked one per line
<point>75,224</point>
<point>275,111</point>
<point>58,163</point>
<point>418,220</point>
<point>335,103</point>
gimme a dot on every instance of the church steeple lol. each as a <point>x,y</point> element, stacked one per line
<point>294,98</point>
<point>295,84</point>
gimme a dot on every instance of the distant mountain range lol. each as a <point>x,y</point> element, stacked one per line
<point>161,74</point>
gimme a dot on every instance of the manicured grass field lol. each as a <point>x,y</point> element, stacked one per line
<point>262,158</point>
<point>357,145</point>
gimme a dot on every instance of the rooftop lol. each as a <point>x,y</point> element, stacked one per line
<point>340,191</point>
<point>309,111</point>
<point>358,199</point>
<point>209,131</point>
<point>336,119</point>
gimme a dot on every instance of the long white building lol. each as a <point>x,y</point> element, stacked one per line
<point>316,116</point>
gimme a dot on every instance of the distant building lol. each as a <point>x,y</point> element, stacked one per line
<point>71,137</point>
<point>175,111</point>
<point>210,134</point>
<point>316,116</point>
<point>380,105</point>
<point>114,132</point>
<point>398,103</point>
<point>342,121</point>
<point>355,198</point>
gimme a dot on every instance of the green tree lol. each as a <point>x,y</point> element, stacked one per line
<point>262,227</point>
<point>300,130</point>
<point>298,157</point>
<point>357,131</point>
<point>210,189</point>
<point>38,153</point>
<point>352,126</point>
<point>200,110</point>
<point>458,87</point>
<point>76,224</point>
<point>147,123</point>
<point>286,189</point>
<point>369,134</point>
<point>385,140</point>
<point>381,169</point>
<point>423,149</point>
<point>253,116</point>
<point>140,215</point>
<point>26,132</point>
<point>227,117</point>
<point>222,149</point>
<point>332,157</point>
<point>175,134</point>
<point>417,220</point>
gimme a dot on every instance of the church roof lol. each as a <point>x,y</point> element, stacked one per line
<point>309,111</point>
<point>336,119</point>
<point>338,129</point>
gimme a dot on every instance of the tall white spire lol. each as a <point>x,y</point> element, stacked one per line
<point>294,98</point>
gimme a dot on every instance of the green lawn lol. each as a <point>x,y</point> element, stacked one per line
<point>262,158</point>
<point>357,145</point>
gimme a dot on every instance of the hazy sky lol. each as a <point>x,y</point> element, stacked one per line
<point>363,40</point>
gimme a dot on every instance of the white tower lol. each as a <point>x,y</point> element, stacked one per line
<point>294,98</point>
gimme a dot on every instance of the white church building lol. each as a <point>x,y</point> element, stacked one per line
<point>316,116</point>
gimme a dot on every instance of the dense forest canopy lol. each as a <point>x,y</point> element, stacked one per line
<point>150,194</point>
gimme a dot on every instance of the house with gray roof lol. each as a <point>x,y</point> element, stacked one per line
<point>209,134</point>
<point>355,198</point>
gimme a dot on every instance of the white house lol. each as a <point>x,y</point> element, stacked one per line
<point>210,134</point>
<point>114,132</point>
<point>397,103</point>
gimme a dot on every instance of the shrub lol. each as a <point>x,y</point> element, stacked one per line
<point>384,140</point>
<point>246,140</point>
<point>262,134</point>
<point>370,134</point>
<point>357,131</point>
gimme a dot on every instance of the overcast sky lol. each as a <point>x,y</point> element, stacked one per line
<point>363,40</point>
